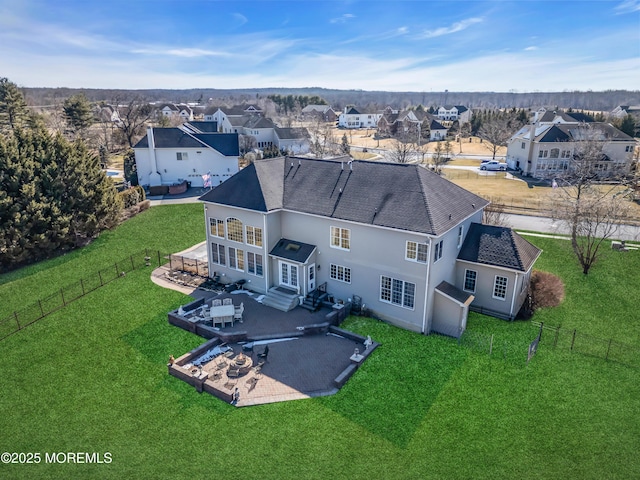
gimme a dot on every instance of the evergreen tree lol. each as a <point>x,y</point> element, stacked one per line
<point>13,107</point>
<point>77,112</point>
<point>53,196</point>
<point>344,147</point>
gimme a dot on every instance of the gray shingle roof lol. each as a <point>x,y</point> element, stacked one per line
<point>200,126</point>
<point>225,143</point>
<point>498,246</point>
<point>454,292</point>
<point>292,250</point>
<point>404,197</point>
<point>291,133</point>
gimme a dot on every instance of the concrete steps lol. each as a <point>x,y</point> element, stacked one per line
<point>281,299</point>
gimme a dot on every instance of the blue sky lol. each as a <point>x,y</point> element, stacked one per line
<point>522,46</point>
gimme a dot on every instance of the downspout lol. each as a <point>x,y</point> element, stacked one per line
<point>267,260</point>
<point>426,289</point>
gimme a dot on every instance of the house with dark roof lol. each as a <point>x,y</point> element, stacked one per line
<point>411,124</point>
<point>169,156</point>
<point>452,113</point>
<point>545,149</point>
<point>352,118</point>
<point>323,113</point>
<point>183,111</point>
<point>396,235</point>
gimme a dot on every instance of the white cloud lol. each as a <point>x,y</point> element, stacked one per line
<point>628,6</point>
<point>532,48</point>
<point>453,28</point>
<point>342,19</point>
<point>181,52</point>
<point>240,18</point>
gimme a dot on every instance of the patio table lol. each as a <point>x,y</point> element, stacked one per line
<point>222,314</point>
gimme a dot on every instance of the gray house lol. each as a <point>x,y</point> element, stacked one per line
<point>398,236</point>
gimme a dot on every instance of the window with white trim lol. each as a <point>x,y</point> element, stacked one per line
<point>470,277</point>
<point>500,287</point>
<point>437,251</point>
<point>254,236</point>
<point>234,230</point>
<point>340,238</point>
<point>460,235</point>
<point>254,264</point>
<point>182,156</point>
<point>217,254</point>
<point>236,258</point>
<point>340,273</point>
<point>216,227</point>
<point>417,252</point>
<point>397,292</point>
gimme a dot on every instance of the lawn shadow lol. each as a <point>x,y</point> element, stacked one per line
<point>394,389</point>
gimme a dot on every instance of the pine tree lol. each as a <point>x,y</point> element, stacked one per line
<point>13,107</point>
<point>77,112</point>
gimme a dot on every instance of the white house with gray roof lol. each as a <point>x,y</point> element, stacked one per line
<point>396,235</point>
<point>169,156</point>
<point>545,149</point>
<point>352,118</point>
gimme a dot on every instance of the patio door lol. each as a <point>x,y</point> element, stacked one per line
<point>288,275</point>
<point>312,278</point>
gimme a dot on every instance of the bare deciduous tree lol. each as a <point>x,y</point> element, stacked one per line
<point>494,214</point>
<point>133,117</point>
<point>495,133</point>
<point>590,207</point>
<point>404,150</point>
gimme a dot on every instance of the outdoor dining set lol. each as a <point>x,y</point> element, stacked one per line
<point>221,313</point>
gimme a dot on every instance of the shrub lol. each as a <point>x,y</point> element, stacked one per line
<point>547,290</point>
<point>130,197</point>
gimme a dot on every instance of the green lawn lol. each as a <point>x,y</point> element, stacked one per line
<point>92,378</point>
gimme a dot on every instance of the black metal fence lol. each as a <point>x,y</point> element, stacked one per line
<point>495,346</point>
<point>190,265</point>
<point>585,344</point>
<point>24,317</point>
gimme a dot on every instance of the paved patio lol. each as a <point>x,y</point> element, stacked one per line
<point>299,364</point>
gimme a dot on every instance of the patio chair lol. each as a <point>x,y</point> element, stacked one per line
<point>264,354</point>
<point>238,312</point>
<point>228,319</point>
<point>218,321</point>
<point>216,303</point>
<point>233,372</point>
<point>227,301</point>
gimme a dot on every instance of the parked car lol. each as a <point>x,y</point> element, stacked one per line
<point>493,165</point>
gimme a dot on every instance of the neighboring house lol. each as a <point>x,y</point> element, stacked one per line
<point>169,156</point>
<point>182,111</point>
<point>554,117</point>
<point>352,118</point>
<point>323,113</point>
<point>248,120</point>
<point>451,113</point>
<point>399,236</point>
<point>200,126</point>
<point>107,113</point>
<point>412,124</point>
<point>545,149</point>
<point>622,111</point>
<point>292,140</point>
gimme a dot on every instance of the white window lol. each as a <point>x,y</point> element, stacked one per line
<point>236,258</point>
<point>437,252</point>
<point>500,287</point>
<point>182,156</point>
<point>628,148</point>
<point>417,252</point>
<point>470,277</point>
<point>234,229</point>
<point>340,273</point>
<point>340,238</point>
<point>216,227</point>
<point>460,235</point>
<point>397,292</point>
<point>217,254</point>
<point>254,236</point>
<point>522,145</point>
<point>254,263</point>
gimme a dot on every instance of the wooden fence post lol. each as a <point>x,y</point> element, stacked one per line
<point>182,258</point>
<point>41,310</point>
<point>15,314</point>
<point>62,295</point>
<point>133,267</point>
<point>159,264</point>
<point>117,271</point>
<point>608,348</point>
<point>100,275</point>
<point>82,286</point>
<point>573,339</point>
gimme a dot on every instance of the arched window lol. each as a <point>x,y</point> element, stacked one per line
<point>234,230</point>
